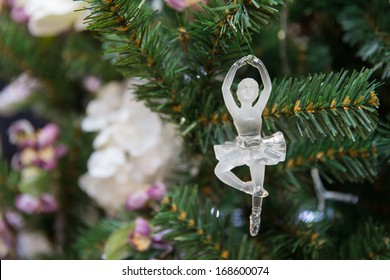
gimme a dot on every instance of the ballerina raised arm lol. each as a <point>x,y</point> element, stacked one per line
<point>264,95</point>
<point>231,105</point>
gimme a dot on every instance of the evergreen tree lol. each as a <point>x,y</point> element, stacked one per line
<point>329,62</point>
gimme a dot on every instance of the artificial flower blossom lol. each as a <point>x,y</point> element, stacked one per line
<point>142,239</point>
<point>29,204</point>
<point>50,18</point>
<point>134,148</point>
<point>181,5</point>
<point>139,200</point>
<point>136,200</point>
<point>36,148</point>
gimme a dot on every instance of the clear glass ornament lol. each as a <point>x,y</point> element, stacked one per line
<point>249,148</point>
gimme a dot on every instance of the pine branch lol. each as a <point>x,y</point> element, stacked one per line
<point>371,241</point>
<point>367,27</point>
<point>83,55</point>
<point>299,241</point>
<point>324,105</point>
<point>383,139</point>
<point>198,231</point>
<point>91,243</point>
<point>240,17</point>
<point>342,161</point>
<point>120,17</point>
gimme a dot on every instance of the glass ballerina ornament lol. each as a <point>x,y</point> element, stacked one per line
<point>249,148</point>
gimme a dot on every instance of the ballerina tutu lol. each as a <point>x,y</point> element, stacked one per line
<point>252,150</point>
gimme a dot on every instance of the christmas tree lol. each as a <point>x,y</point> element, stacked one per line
<point>110,110</point>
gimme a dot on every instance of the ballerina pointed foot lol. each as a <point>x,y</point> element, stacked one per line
<point>254,224</point>
<point>250,188</point>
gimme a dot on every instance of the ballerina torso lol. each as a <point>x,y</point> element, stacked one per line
<point>248,122</point>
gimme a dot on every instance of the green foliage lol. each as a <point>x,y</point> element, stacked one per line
<point>383,139</point>
<point>8,185</point>
<point>198,231</point>
<point>341,161</point>
<point>240,17</point>
<point>331,105</point>
<point>371,241</point>
<point>367,27</point>
<point>91,243</point>
<point>299,241</point>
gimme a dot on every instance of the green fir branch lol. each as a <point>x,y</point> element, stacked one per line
<point>90,244</point>
<point>367,27</point>
<point>341,161</point>
<point>383,139</point>
<point>240,17</point>
<point>197,231</point>
<point>83,55</point>
<point>371,241</point>
<point>299,241</point>
<point>118,16</point>
<point>335,105</point>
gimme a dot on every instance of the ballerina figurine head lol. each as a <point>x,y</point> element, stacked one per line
<point>247,91</point>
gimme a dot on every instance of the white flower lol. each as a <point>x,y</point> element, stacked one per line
<point>109,193</point>
<point>105,163</point>
<point>49,18</point>
<point>103,110</point>
<point>134,148</point>
<point>129,133</point>
<point>17,92</point>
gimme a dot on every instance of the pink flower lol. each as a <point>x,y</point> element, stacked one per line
<point>61,150</point>
<point>181,5</point>
<point>142,227</point>
<point>27,203</point>
<point>178,5</point>
<point>48,203</point>
<point>46,158</point>
<point>158,241</point>
<point>48,135</point>
<point>18,14</point>
<point>140,238</point>
<point>16,162</point>
<point>92,83</point>
<point>14,219</point>
<point>35,148</point>
<point>136,201</point>
<point>156,192</point>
